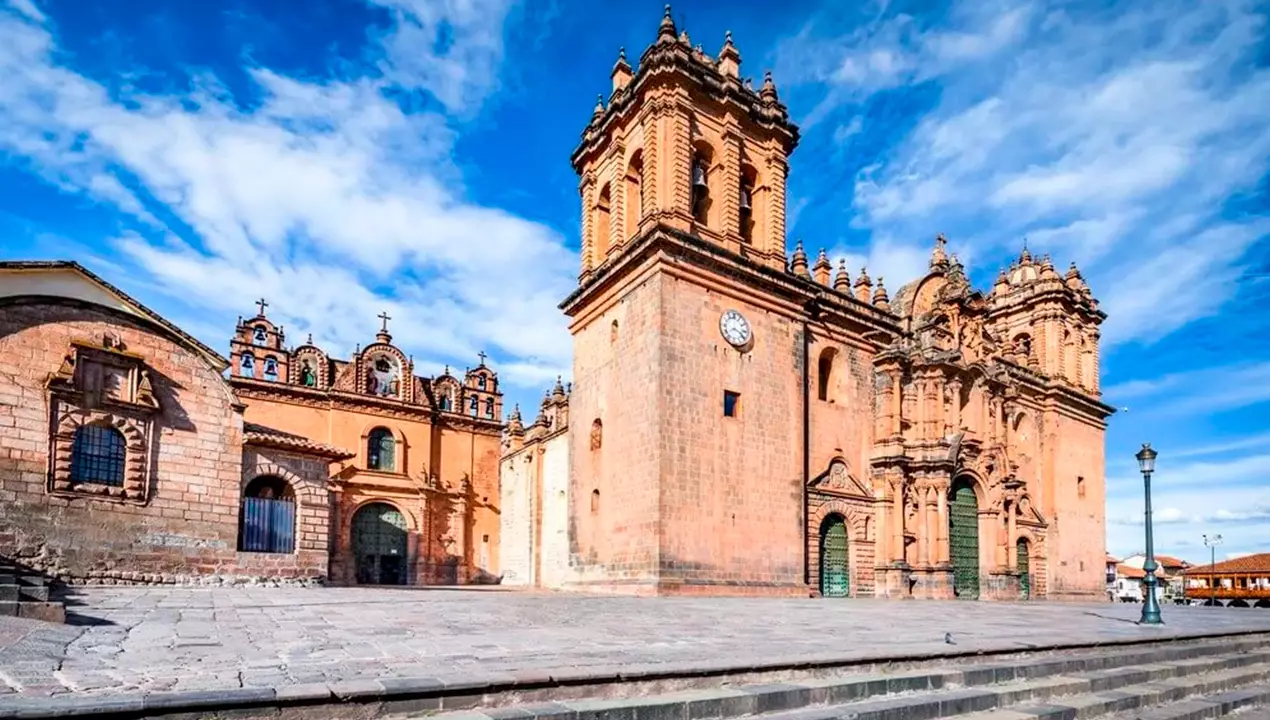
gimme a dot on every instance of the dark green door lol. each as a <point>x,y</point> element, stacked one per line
<point>1023,564</point>
<point>835,573</point>
<point>963,536</point>
<point>379,545</point>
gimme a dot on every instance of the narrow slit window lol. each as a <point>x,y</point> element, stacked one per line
<point>731,403</point>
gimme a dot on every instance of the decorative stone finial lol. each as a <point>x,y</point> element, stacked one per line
<point>514,425</point>
<point>729,57</point>
<point>823,268</point>
<point>768,92</point>
<point>621,71</point>
<point>798,261</point>
<point>880,299</point>
<point>863,285</point>
<point>383,336</point>
<point>599,108</point>
<point>309,341</point>
<point>558,390</point>
<point>666,32</point>
<point>1025,257</point>
<point>841,281</point>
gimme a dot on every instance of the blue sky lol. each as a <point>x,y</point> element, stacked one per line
<point>346,157</point>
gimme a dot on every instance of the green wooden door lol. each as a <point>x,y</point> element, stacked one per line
<point>835,574</point>
<point>379,545</point>
<point>1023,565</point>
<point>963,537</point>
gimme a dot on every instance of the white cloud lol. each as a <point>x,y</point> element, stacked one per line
<point>1196,393</point>
<point>27,8</point>
<point>1111,138</point>
<point>328,198</point>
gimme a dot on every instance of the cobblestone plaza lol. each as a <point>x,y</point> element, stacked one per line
<point>141,640</point>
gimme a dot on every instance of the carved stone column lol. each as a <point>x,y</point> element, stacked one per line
<point>929,544</point>
<point>954,389</point>
<point>897,519</point>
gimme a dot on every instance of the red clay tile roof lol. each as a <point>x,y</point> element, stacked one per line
<point>254,434</point>
<point>1252,564</point>
<point>1169,561</point>
<point>1134,573</point>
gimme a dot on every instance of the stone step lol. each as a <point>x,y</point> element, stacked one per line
<point>1174,669</point>
<point>9,607</point>
<point>9,593</point>
<point>33,593</point>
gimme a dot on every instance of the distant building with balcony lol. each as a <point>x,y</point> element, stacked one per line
<point>1241,582</point>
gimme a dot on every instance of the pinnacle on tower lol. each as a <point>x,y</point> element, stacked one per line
<point>599,108</point>
<point>798,261</point>
<point>880,299</point>
<point>622,72</point>
<point>863,286</point>
<point>823,268</point>
<point>841,281</point>
<point>729,57</point>
<point>768,92</point>
<point>666,32</point>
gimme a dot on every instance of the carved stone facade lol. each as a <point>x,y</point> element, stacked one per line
<point>758,424</point>
<point>415,501</point>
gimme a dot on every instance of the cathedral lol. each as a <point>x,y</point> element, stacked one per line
<point>745,422</point>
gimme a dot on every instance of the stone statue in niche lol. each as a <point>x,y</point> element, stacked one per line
<point>382,378</point>
<point>307,377</point>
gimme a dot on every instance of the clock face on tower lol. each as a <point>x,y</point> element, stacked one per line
<point>735,328</point>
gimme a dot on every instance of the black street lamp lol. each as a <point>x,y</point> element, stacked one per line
<point>1150,608</point>
<point>1212,543</point>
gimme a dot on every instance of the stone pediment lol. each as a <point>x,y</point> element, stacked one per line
<point>838,479</point>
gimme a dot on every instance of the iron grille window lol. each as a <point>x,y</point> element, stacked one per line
<point>97,455</point>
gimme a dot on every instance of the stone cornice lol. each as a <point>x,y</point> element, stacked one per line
<point>681,247</point>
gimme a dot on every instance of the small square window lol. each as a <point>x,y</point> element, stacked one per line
<point>731,403</point>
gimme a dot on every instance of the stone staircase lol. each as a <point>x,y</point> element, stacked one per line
<point>1178,680</point>
<point>24,593</point>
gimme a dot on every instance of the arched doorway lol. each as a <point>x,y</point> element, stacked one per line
<point>835,569</point>
<point>1023,564</point>
<point>379,545</point>
<point>963,539</point>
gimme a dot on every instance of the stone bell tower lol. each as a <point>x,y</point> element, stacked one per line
<point>685,408</point>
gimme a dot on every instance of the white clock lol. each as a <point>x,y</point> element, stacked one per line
<point>735,328</point>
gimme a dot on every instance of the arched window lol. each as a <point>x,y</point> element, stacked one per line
<point>473,406</point>
<point>746,204</point>
<point>259,336</point>
<point>97,455</point>
<point>700,187</point>
<point>603,227</point>
<point>271,368</point>
<point>595,500</point>
<point>308,378</point>
<point>267,522</point>
<point>480,381</point>
<point>247,365</point>
<point>634,186</point>
<point>381,450</point>
<point>489,407</point>
<point>824,374</point>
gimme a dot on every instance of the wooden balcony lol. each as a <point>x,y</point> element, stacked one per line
<point>1224,593</point>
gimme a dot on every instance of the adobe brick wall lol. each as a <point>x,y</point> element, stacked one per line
<point>188,527</point>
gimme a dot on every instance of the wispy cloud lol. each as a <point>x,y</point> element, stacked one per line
<point>1199,392</point>
<point>333,199</point>
<point>1112,138</point>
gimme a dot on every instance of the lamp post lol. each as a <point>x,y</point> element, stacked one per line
<point>1150,608</point>
<point>1211,543</point>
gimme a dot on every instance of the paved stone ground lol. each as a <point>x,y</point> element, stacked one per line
<point>128,640</point>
